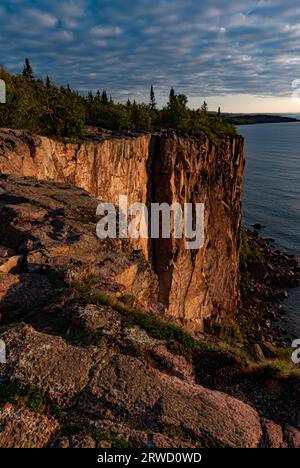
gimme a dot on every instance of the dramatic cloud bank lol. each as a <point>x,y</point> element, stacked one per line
<point>207,48</point>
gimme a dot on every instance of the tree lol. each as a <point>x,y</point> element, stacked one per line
<point>152,99</point>
<point>172,97</point>
<point>27,70</point>
<point>219,112</point>
<point>177,114</point>
<point>46,109</point>
<point>104,98</point>
<point>204,107</point>
<point>48,82</point>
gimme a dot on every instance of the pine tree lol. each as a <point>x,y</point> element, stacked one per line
<point>204,107</point>
<point>219,112</point>
<point>104,98</point>
<point>48,82</point>
<point>172,97</point>
<point>27,70</point>
<point>152,99</point>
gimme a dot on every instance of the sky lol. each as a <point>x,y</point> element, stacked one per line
<point>240,54</point>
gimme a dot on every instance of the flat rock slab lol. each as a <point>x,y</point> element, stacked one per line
<point>48,362</point>
<point>146,397</point>
<point>20,428</point>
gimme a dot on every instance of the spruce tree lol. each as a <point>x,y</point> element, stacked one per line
<point>172,97</point>
<point>104,98</point>
<point>48,82</point>
<point>152,99</point>
<point>204,107</point>
<point>27,70</point>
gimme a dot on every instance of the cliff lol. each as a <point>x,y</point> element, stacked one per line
<point>92,363</point>
<point>194,286</point>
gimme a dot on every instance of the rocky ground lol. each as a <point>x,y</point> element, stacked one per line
<point>92,363</point>
<point>267,277</point>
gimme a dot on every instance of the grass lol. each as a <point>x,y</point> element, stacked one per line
<point>116,441</point>
<point>249,254</point>
<point>78,336</point>
<point>155,327</point>
<point>281,365</point>
<point>75,336</point>
<point>232,332</point>
<point>73,429</point>
<point>24,395</point>
<point>57,283</point>
<point>181,341</point>
<point>178,339</point>
<point>83,287</point>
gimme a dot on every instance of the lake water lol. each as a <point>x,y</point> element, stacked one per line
<point>272,193</point>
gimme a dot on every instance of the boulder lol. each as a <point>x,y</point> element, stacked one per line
<point>146,397</point>
<point>273,435</point>
<point>293,436</point>
<point>95,317</point>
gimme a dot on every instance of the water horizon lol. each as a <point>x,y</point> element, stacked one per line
<point>272,195</point>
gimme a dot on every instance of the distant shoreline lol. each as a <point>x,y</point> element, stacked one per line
<point>253,119</point>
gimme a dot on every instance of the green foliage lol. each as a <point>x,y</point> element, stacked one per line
<point>76,428</point>
<point>177,337</point>
<point>249,254</point>
<point>73,429</point>
<point>204,107</point>
<point>251,119</point>
<point>57,284</point>
<point>278,368</point>
<point>128,299</point>
<point>43,108</point>
<point>180,341</point>
<point>84,286</point>
<point>116,441</point>
<point>75,335</point>
<point>230,332</point>
<point>152,99</point>
<point>32,398</point>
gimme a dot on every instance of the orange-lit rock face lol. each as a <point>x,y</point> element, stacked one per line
<point>195,286</point>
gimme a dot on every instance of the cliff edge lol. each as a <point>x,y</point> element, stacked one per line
<point>193,286</point>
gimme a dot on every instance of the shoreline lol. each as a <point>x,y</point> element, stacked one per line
<point>267,276</point>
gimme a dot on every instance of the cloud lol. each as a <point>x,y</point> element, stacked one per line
<point>40,18</point>
<point>108,31</point>
<point>207,48</point>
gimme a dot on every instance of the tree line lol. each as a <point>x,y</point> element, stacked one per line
<point>41,107</point>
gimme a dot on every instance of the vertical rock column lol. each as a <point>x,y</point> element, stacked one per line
<point>200,285</point>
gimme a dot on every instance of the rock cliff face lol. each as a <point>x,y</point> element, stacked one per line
<point>90,360</point>
<point>194,286</point>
